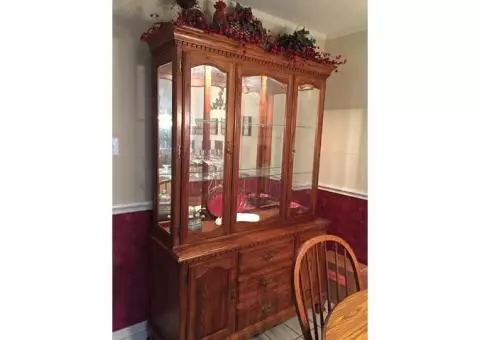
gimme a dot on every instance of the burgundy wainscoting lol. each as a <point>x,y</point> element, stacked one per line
<point>130,268</point>
<point>349,219</point>
<point>130,250</point>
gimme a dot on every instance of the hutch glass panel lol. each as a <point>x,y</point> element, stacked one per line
<point>164,121</point>
<point>263,110</point>
<point>208,93</point>
<point>301,197</point>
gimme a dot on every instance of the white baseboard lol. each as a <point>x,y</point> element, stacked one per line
<point>135,332</point>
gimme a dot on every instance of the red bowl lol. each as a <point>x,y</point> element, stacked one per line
<point>215,202</point>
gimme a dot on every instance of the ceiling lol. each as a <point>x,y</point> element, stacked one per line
<point>331,17</point>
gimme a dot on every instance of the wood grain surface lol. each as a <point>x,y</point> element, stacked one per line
<point>349,319</point>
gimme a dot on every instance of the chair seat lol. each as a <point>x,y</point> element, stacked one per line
<point>363,269</point>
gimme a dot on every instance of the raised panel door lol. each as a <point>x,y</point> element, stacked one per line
<point>212,298</point>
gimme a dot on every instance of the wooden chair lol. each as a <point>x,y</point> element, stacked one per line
<point>326,271</point>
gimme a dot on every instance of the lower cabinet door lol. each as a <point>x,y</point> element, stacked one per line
<point>212,298</point>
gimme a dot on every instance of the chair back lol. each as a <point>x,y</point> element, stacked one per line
<point>326,271</point>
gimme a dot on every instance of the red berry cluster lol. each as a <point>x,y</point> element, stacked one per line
<point>151,31</point>
<point>243,26</point>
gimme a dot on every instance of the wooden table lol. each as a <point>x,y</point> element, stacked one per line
<point>349,319</point>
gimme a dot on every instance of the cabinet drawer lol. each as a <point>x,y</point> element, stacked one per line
<point>269,256</point>
<point>257,287</point>
<point>271,305</point>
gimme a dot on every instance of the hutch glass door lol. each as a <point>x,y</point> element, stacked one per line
<point>164,143</point>
<point>206,144</point>
<point>304,174</point>
<point>260,141</point>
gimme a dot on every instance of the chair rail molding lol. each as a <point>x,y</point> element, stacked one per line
<point>148,205</point>
<point>344,191</point>
<point>131,207</point>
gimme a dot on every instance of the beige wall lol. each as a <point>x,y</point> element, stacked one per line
<point>131,115</point>
<point>347,88</point>
<point>343,163</point>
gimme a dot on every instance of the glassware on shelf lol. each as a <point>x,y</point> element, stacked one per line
<point>165,171</point>
<point>195,217</point>
<point>164,204</point>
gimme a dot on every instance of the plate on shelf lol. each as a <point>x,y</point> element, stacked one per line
<point>295,205</point>
<point>215,202</point>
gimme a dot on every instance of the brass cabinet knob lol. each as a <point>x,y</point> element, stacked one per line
<point>266,308</point>
<point>266,281</point>
<point>268,256</point>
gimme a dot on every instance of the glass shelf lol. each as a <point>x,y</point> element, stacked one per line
<point>199,160</point>
<point>259,173</point>
<point>209,121</point>
<point>303,126</point>
<point>244,173</point>
<point>218,175</point>
<point>268,125</point>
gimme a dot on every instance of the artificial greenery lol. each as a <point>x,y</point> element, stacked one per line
<point>241,25</point>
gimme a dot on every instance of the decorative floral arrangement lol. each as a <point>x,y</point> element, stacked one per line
<point>240,24</point>
<point>243,26</point>
<point>299,44</point>
<point>191,15</point>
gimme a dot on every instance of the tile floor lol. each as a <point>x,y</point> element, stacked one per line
<point>289,330</point>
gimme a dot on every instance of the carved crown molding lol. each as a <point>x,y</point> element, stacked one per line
<point>188,38</point>
<point>243,56</point>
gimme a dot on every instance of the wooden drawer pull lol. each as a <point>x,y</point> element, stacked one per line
<point>268,256</point>
<point>266,308</point>
<point>266,281</point>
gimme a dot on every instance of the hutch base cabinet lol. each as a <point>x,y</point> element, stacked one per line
<point>226,289</point>
<point>237,137</point>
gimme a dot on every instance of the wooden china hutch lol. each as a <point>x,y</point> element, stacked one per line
<point>237,134</point>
